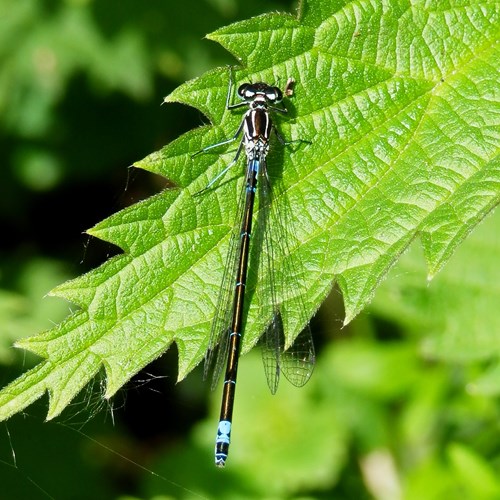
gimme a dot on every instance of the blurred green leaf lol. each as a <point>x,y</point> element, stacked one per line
<point>455,314</point>
<point>300,442</point>
<point>22,312</point>
<point>292,442</point>
<point>401,105</point>
<point>477,478</point>
<point>52,45</point>
<point>430,479</point>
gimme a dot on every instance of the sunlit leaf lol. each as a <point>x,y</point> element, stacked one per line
<point>401,103</point>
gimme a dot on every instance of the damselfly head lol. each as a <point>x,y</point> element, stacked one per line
<point>251,91</point>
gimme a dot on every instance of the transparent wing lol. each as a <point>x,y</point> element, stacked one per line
<point>218,344</point>
<point>272,339</point>
<point>296,362</point>
<point>272,344</point>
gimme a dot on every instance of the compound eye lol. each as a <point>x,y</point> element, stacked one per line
<point>274,94</point>
<point>246,91</point>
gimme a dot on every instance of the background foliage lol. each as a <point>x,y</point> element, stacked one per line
<point>403,400</point>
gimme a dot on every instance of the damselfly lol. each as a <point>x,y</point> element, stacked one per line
<point>297,361</point>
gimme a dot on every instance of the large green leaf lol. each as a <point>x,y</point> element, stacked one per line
<point>401,102</point>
